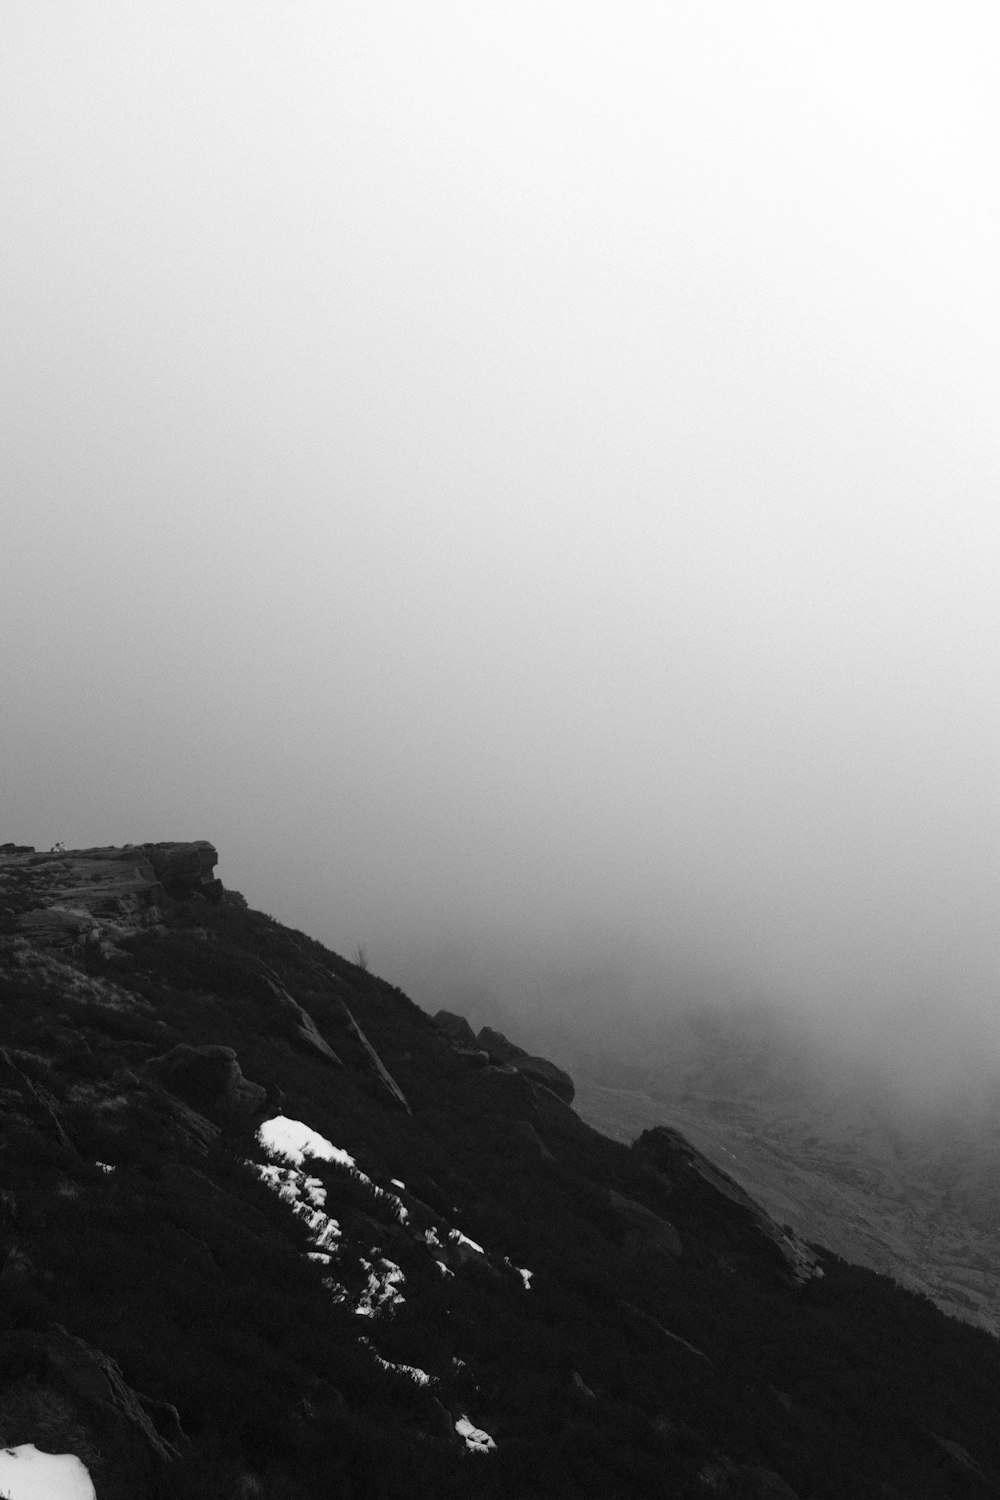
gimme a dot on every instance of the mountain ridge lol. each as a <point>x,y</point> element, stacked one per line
<point>269,1230</point>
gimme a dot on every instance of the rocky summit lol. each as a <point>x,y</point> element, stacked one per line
<point>268,1229</point>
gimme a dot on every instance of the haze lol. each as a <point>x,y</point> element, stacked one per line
<point>522,480</point>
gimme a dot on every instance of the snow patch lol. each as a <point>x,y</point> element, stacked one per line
<point>306,1196</point>
<point>26,1474</point>
<point>413,1372</point>
<point>290,1138</point>
<point>381,1295</point>
<point>463,1239</point>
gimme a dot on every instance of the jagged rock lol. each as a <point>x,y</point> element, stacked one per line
<point>497,1045</point>
<point>645,1229</point>
<point>580,1388</point>
<point>474,1056</point>
<point>302,1027</point>
<point>673,1154</point>
<point>68,897</point>
<point>538,1069</point>
<point>388,1082</point>
<point>456,1029</point>
<point>186,869</point>
<point>210,1079</point>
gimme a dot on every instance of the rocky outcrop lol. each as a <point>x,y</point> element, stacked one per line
<point>209,1079</point>
<point>537,1069</point>
<point>673,1154</point>
<point>386,1079</point>
<point>76,897</point>
<point>185,870</point>
<point>456,1029</point>
<point>300,1026</point>
<point>492,1046</point>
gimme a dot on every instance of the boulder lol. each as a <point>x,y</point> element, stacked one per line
<point>500,1049</point>
<point>503,1052</point>
<point>456,1029</point>
<point>540,1070</point>
<point>210,1079</point>
<point>185,870</point>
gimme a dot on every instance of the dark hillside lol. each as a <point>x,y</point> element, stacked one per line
<point>459,1264</point>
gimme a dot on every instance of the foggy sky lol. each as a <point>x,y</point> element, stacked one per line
<point>521,479</point>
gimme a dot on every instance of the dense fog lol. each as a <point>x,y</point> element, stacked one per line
<point>522,480</point>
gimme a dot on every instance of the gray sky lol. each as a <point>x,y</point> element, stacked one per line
<point>517,476</point>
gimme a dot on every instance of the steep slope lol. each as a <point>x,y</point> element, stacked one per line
<point>269,1230</point>
<point>906,1185</point>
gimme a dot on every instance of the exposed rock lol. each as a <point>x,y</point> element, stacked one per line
<point>185,870</point>
<point>33,1101</point>
<point>474,1056</point>
<point>497,1045</point>
<point>71,898</point>
<point>538,1069</point>
<point>302,1028</point>
<point>210,1079</point>
<point>456,1029</point>
<point>645,1229</point>
<point>388,1082</point>
<point>674,1338</point>
<point>960,1456</point>
<point>672,1153</point>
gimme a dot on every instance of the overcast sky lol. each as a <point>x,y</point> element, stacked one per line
<point>517,476</point>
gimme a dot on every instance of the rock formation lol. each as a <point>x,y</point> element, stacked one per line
<point>76,897</point>
<point>504,1053</point>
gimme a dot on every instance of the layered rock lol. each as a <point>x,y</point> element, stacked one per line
<point>537,1069</point>
<point>73,897</point>
<point>493,1047</point>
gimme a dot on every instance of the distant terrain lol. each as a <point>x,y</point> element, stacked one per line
<point>909,1189</point>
